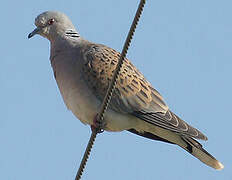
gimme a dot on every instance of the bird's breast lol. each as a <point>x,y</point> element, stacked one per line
<point>74,91</point>
<point>79,98</point>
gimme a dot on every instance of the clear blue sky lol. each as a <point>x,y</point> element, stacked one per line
<point>182,47</point>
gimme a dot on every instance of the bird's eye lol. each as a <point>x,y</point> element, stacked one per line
<point>51,21</point>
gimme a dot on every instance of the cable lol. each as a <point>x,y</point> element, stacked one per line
<point>110,90</point>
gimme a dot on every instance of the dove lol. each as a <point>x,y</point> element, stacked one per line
<point>83,71</point>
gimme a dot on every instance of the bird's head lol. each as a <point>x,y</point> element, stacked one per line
<point>52,24</point>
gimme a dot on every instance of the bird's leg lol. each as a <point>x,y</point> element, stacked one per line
<point>97,125</point>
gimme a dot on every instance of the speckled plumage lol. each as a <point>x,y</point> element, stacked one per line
<point>83,71</point>
<point>133,93</point>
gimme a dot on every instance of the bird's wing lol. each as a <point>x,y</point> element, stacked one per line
<point>133,93</point>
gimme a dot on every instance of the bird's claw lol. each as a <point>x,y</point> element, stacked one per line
<point>97,125</point>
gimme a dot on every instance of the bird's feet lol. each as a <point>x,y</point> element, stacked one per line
<point>97,125</point>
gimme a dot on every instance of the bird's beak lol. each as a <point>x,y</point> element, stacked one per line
<point>36,31</point>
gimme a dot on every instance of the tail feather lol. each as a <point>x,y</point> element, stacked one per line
<point>196,149</point>
<point>187,143</point>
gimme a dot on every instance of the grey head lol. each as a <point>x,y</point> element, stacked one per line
<point>52,25</point>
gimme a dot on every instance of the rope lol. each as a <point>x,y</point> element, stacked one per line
<point>110,90</point>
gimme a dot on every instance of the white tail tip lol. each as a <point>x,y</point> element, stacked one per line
<point>219,166</point>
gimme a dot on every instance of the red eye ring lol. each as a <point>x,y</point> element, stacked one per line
<point>51,21</point>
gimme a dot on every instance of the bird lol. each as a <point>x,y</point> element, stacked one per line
<point>83,71</point>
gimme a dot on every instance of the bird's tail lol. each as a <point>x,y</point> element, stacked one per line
<point>196,149</point>
<point>187,143</point>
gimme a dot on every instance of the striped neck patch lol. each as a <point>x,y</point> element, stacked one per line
<point>72,33</point>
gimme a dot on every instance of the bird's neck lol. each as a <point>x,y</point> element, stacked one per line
<point>64,43</point>
<point>57,46</point>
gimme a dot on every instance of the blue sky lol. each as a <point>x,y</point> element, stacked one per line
<point>182,47</point>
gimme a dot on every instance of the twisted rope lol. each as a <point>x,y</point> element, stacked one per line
<point>110,90</point>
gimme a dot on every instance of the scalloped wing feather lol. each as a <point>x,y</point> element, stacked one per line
<point>133,93</point>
